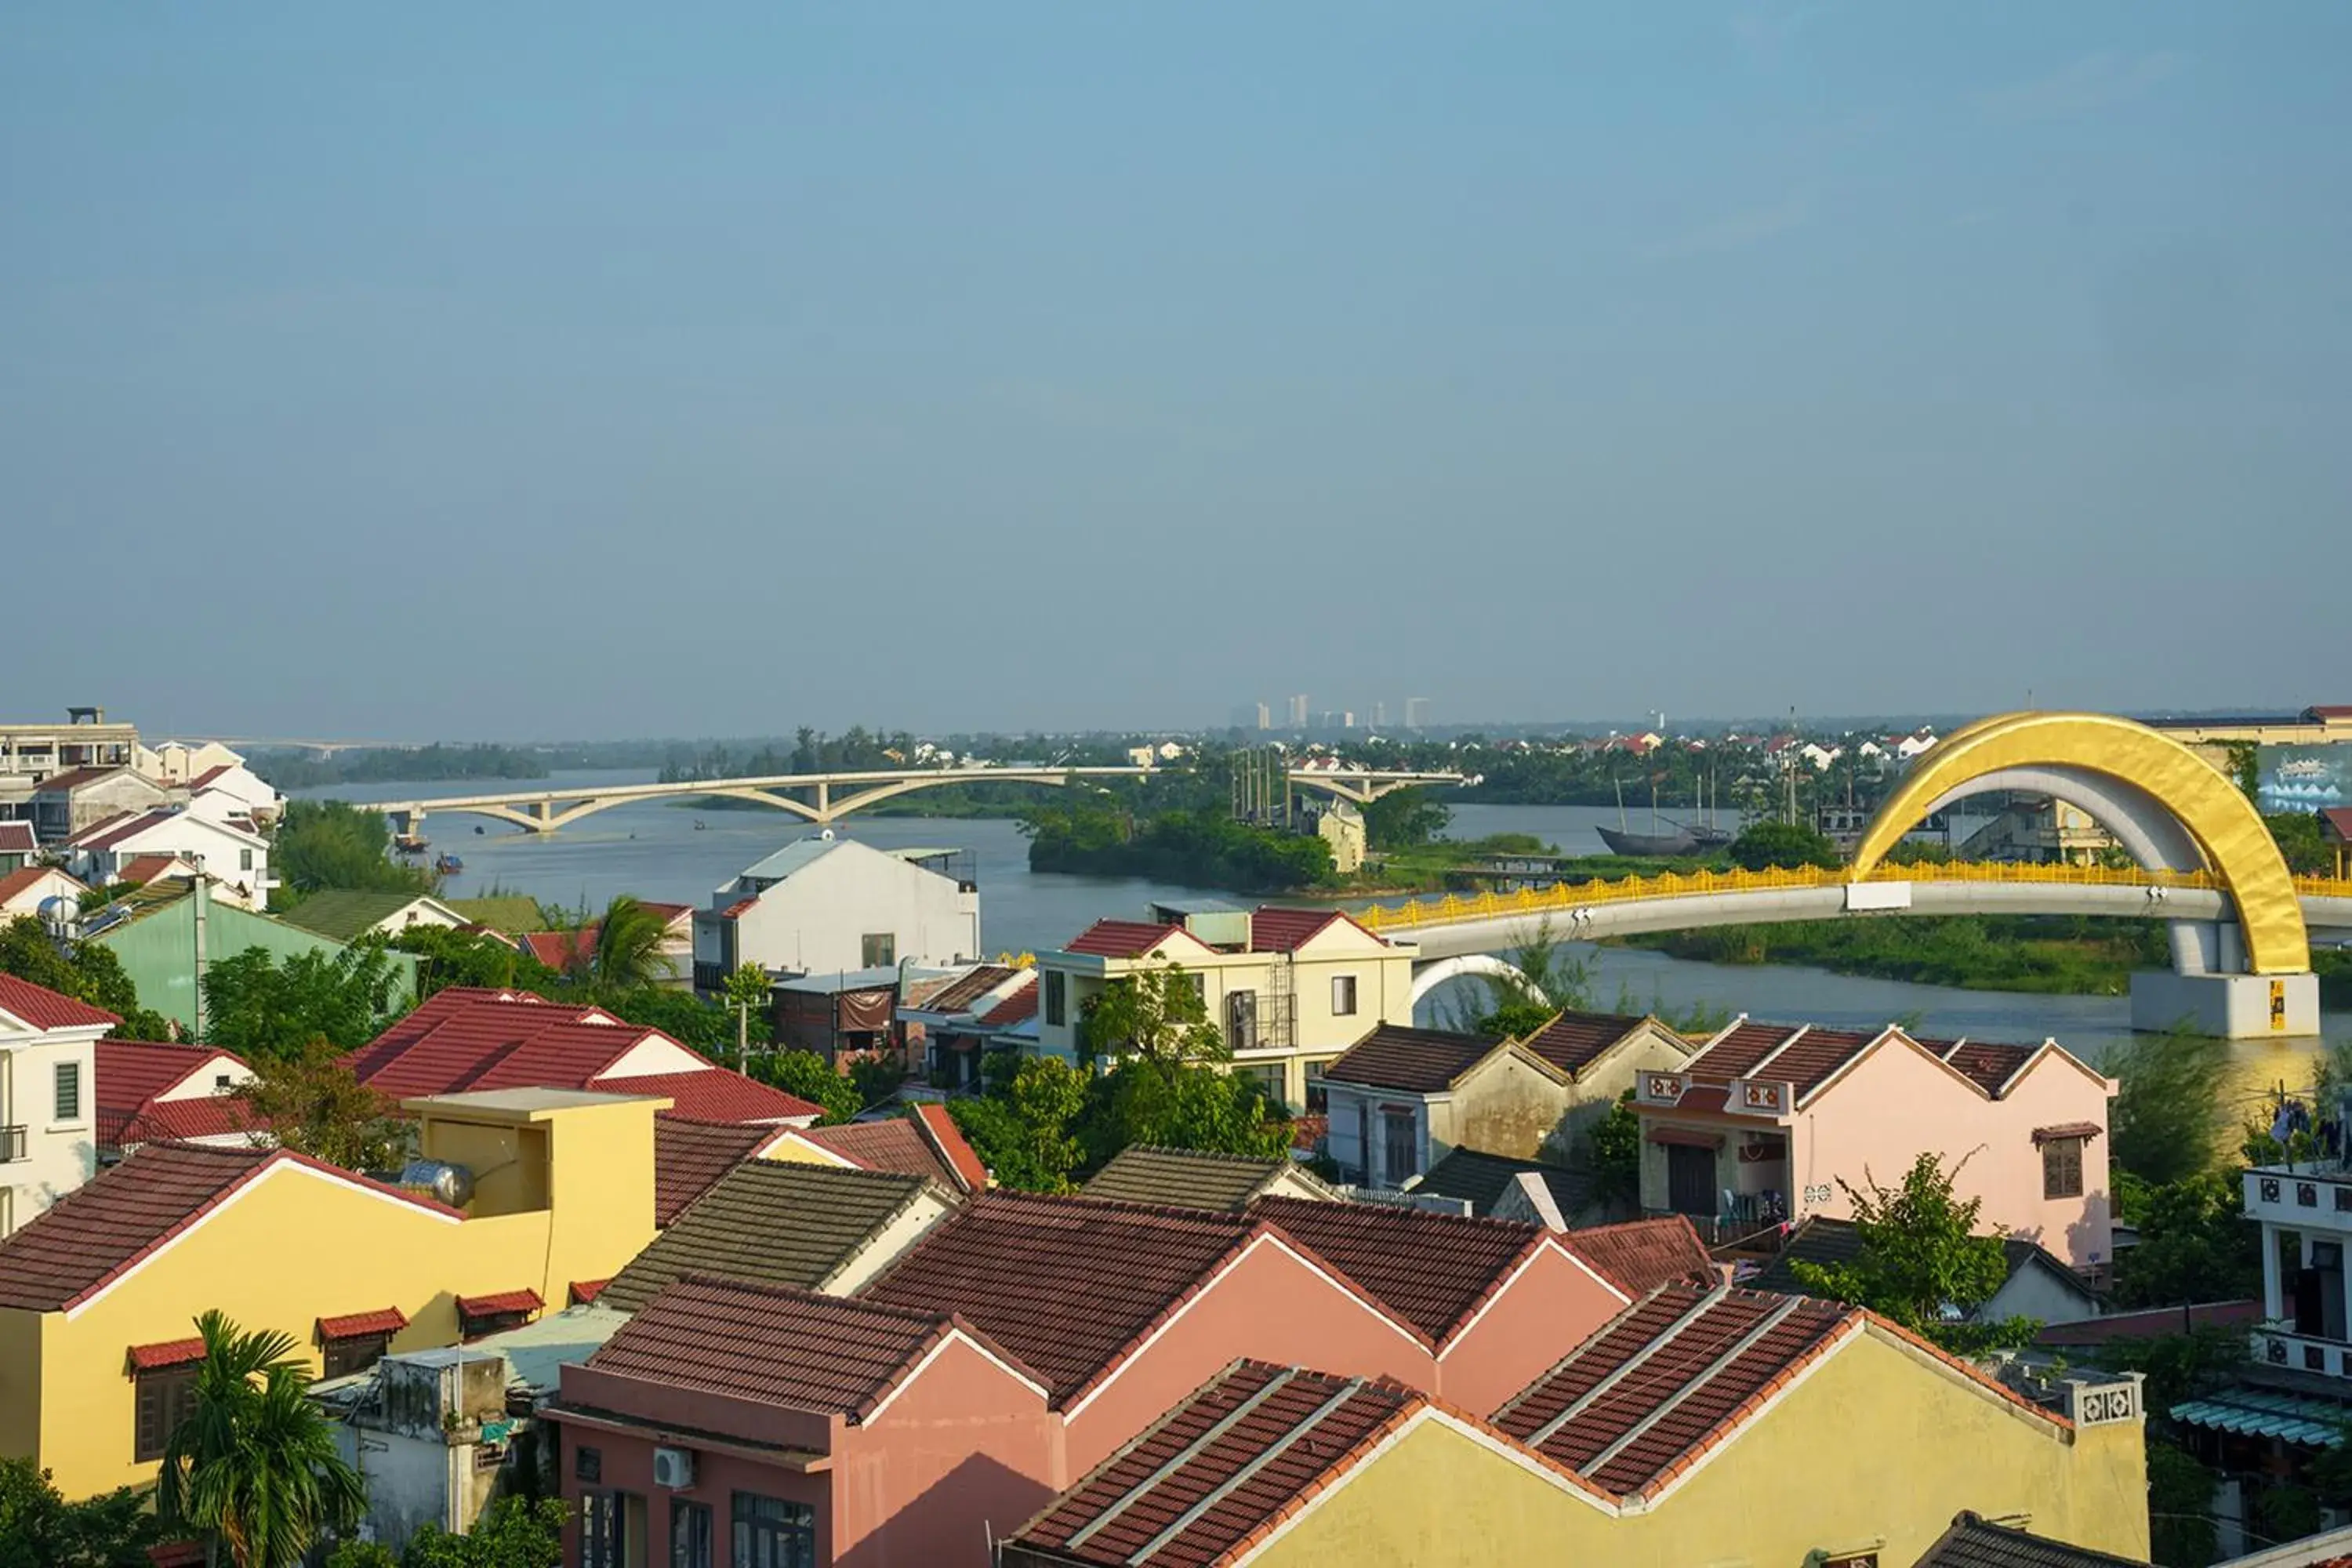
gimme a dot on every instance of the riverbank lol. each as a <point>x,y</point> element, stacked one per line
<point>2044,954</point>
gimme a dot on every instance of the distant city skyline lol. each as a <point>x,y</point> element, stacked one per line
<point>757,366</point>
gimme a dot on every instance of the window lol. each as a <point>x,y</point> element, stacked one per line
<point>1241,1020</point>
<point>1319,1098</point>
<point>773,1533</point>
<point>689,1534</point>
<point>1400,1148</point>
<point>1057,998</point>
<point>1343,995</point>
<point>601,1540</point>
<point>2061,1168</point>
<point>68,1091</point>
<point>473,1327</point>
<point>356,1353</point>
<point>245,860</point>
<point>223,1083</point>
<point>587,1464</point>
<point>877,949</point>
<point>164,1397</point>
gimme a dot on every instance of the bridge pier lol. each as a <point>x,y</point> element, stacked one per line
<point>2228,1006</point>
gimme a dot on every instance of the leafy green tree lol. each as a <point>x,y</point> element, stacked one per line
<point>747,991</point>
<point>85,970</point>
<point>1180,1107</point>
<point>40,1529</point>
<point>1920,1258</point>
<point>1544,978</point>
<point>1791,844</point>
<point>1405,819</point>
<point>447,957</point>
<point>2299,841</point>
<point>1612,1153</point>
<point>261,1008</point>
<point>1158,1015</point>
<point>2167,1119</point>
<point>812,1077</point>
<point>252,1470</point>
<point>2181,1533</point>
<point>513,1533</point>
<point>628,954</point>
<point>1024,1128</point>
<point>2194,1242</point>
<point>313,1103</point>
<point>323,843</point>
<point>708,1026</point>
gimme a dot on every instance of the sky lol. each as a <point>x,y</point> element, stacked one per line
<point>586,371</point>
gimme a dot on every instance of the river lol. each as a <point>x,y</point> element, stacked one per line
<point>656,850</point>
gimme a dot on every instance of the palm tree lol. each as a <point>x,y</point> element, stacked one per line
<point>628,955</point>
<point>252,1468</point>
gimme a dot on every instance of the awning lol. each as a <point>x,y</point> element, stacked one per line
<point>383,1320</point>
<point>1685,1138</point>
<point>504,1301</point>
<point>586,1290</point>
<point>2065,1130</point>
<point>168,1352</point>
<point>2256,1413</point>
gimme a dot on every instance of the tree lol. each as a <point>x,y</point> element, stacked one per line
<point>2181,1533</point>
<point>1765,844</point>
<point>2166,1119</point>
<point>628,954</point>
<point>1921,1261</point>
<point>323,843</point>
<point>313,1103</point>
<point>446,956</point>
<point>1612,1153</point>
<point>252,1469</point>
<point>1182,1105</point>
<point>1023,1127</point>
<point>747,991</point>
<point>812,1077</point>
<point>1405,819</point>
<point>2194,1242</point>
<point>708,1026</point>
<point>40,1529</point>
<point>1158,1015</point>
<point>1544,979</point>
<point>85,970</point>
<point>258,1007</point>
<point>513,1533</point>
<point>2299,840</point>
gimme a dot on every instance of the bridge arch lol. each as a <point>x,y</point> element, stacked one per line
<point>1429,976</point>
<point>2165,804</point>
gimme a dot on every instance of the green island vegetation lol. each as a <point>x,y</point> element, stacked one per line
<point>291,770</point>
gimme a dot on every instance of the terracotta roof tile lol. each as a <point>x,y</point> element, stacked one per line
<point>383,1320</point>
<point>1120,939</point>
<point>771,1222</point>
<point>939,1128</point>
<point>91,1235</point>
<point>1816,1056</point>
<point>1195,1490</point>
<point>776,1344</point>
<point>1977,1543</point>
<point>690,1156</point>
<point>1642,1255</point>
<point>1736,1050</point>
<point>16,838</point>
<point>168,1352</point>
<point>586,1290</point>
<point>130,1073</point>
<point>1433,1270</point>
<point>144,868</point>
<point>1186,1178</point>
<point>1990,1064</point>
<point>1020,1005</point>
<point>14,884</point>
<point>965,989</point>
<point>896,1144</point>
<point>1574,1041</point>
<point>1277,930</point>
<point>1411,1061</point>
<point>43,1008</point>
<point>715,1094</point>
<point>524,1300</point>
<point>558,948</point>
<point>74,778</point>
<point>163,1120</point>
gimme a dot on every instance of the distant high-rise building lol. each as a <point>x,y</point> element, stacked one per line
<point>1265,717</point>
<point>1298,711</point>
<point>1416,712</point>
<point>1379,715</point>
<point>1347,718</point>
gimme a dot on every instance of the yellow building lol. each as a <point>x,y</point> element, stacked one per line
<point>1715,1427</point>
<point>1289,989</point>
<point>98,1296</point>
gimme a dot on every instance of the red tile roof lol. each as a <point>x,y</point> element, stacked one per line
<point>2336,818</point>
<point>106,834</point>
<point>959,993</point>
<point>1988,1066</point>
<point>715,1094</point>
<point>144,868</point>
<point>88,1239</point>
<point>1121,939</point>
<point>939,1128</point>
<point>1411,1061</point>
<point>779,1345</point>
<point>1707,1359</point>
<point>161,1120</point>
<point>690,1156</point>
<point>16,838</point>
<point>42,1008</point>
<point>666,913</point>
<point>1574,1041</point>
<point>1020,1005</point>
<point>130,1073</point>
<point>1642,1255</point>
<point>895,1144</point>
<point>168,1352</point>
<point>735,909</point>
<point>586,1290</point>
<point>383,1320</point>
<point>1736,1050</point>
<point>1198,1487</point>
<point>208,775</point>
<point>1813,1057</point>
<point>1277,930</point>
<point>525,1300</point>
<point>14,883</point>
<point>74,778</point>
<point>560,949</point>
<point>1433,1270</point>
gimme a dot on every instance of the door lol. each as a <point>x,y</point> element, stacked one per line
<point>1400,1147</point>
<point>1690,1180</point>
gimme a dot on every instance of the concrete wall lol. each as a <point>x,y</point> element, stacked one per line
<point>1554,1304</point>
<point>1877,1446</point>
<point>61,1154</point>
<point>816,920</point>
<point>158,951</point>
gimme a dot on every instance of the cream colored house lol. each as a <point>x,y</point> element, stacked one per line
<point>1290,989</point>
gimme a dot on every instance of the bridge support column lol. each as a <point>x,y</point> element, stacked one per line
<point>2229,1006</point>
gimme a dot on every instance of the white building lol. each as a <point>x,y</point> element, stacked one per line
<point>23,890</point>
<point>49,1097</point>
<point>827,905</point>
<point>232,790</point>
<point>238,861</point>
<point>183,762</point>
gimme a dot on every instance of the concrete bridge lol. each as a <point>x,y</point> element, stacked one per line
<point>545,811</point>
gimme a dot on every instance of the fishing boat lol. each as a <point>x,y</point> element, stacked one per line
<point>409,844</point>
<point>448,865</point>
<point>1655,843</point>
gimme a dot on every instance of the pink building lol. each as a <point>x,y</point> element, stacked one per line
<point>761,1424</point>
<point>1772,1120</point>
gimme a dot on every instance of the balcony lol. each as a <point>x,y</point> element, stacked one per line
<point>12,1145</point>
<point>1750,1231</point>
<point>2309,1196</point>
<point>2279,1346</point>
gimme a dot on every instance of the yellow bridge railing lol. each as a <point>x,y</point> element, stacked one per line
<point>1450,908</point>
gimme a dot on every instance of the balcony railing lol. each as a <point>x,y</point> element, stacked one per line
<point>2275,1346</point>
<point>1719,1231</point>
<point>12,1145</point>
<point>2309,1195</point>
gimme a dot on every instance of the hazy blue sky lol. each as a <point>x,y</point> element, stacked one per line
<point>584,370</point>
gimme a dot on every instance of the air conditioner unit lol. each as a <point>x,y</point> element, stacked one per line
<point>673,1469</point>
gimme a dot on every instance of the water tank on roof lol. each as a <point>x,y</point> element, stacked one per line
<point>451,1183</point>
<point>59,915</point>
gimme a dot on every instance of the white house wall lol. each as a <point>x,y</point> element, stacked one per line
<point>815,921</point>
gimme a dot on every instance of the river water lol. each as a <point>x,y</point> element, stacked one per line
<point>680,853</point>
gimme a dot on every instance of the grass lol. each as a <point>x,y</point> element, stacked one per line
<point>2049,954</point>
